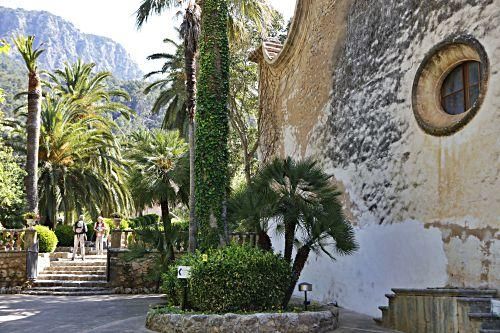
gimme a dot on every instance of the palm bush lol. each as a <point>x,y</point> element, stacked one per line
<point>304,204</point>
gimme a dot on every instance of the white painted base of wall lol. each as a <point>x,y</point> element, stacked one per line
<point>403,255</point>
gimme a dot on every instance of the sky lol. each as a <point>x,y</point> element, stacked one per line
<point>115,19</point>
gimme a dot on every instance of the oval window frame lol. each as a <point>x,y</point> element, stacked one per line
<point>429,78</point>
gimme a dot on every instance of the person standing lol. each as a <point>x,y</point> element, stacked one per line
<point>101,230</point>
<point>80,230</point>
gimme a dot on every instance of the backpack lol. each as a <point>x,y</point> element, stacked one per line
<point>80,227</point>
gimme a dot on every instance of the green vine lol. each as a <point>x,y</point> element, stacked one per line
<point>212,128</point>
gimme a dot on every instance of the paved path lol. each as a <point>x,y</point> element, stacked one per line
<point>110,314</point>
<point>352,322</point>
<point>71,314</point>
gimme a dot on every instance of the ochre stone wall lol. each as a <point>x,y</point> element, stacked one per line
<point>12,268</point>
<point>426,208</point>
<point>133,274</point>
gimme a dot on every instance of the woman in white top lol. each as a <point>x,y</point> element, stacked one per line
<point>100,230</point>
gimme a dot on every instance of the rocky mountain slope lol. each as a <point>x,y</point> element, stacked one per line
<point>64,42</point>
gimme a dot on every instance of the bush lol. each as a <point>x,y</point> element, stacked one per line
<point>64,235</point>
<point>234,278</point>
<point>47,239</point>
<point>111,224</point>
<point>145,220</point>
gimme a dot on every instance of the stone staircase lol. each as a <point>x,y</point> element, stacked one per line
<point>440,310</point>
<point>65,277</point>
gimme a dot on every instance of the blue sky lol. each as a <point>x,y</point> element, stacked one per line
<point>115,19</point>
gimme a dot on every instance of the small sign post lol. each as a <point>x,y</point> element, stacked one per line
<point>184,273</point>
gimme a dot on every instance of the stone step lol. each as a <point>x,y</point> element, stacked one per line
<point>457,292</point>
<point>69,289</point>
<point>67,283</point>
<point>72,277</point>
<point>477,304</point>
<point>66,293</point>
<point>485,330</point>
<point>78,262</point>
<point>75,271</point>
<point>488,320</point>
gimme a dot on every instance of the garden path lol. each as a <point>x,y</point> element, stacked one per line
<point>353,322</point>
<point>75,314</point>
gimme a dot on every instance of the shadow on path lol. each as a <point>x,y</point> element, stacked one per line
<point>65,314</point>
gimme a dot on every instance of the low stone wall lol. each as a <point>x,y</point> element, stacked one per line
<point>130,276</point>
<point>304,322</point>
<point>12,268</point>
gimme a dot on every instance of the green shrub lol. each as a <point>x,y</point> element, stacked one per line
<point>64,235</point>
<point>144,220</point>
<point>234,278</point>
<point>47,239</point>
<point>111,224</point>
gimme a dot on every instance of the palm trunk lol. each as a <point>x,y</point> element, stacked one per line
<point>191,34</point>
<point>33,137</point>
<point>264,241</point>
<point>289,238</point>
<point>298,266</point>
<point>167,226</point>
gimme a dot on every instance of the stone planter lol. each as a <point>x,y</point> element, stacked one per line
<point>325,320</point>
<point>117,222</point>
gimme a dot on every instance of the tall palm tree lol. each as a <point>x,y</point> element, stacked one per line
<point>190,31</point>
<point>257,11</point>
<point>30,56</point>
<point>172,96</point>
<point>305,205</point>
<point>159,172</point>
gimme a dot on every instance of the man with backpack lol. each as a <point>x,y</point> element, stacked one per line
<point>80,230</point>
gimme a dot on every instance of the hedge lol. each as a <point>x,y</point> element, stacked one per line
<point>47,239</point>
<point>234,278</point>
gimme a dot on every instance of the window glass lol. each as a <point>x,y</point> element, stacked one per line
<point>453,81</point>
<point>455,103</point>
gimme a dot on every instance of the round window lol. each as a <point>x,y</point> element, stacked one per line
<point>450,85</point>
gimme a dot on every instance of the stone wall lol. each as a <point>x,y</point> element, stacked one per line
<point>130,276</point>
<point>12,268</point>
<point>304,322</point>
<point>426,208</point>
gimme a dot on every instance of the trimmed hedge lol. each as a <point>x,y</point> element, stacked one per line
<point>64,234</point>
<point>234,278</point>
<point>47,239</point>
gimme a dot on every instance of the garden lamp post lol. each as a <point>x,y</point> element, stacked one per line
<point>305,287</point>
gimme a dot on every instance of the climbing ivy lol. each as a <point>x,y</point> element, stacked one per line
<point>211,157</point>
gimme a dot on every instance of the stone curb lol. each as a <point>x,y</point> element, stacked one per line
<point>304,322</point>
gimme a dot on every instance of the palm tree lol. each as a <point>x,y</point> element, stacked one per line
<point>30,56</point>
<point>87,90</point>
<point>172,96</point>
<point>257,11</point>
<point>190,31</point>
<point>241,14</point>
<point>306,207</point>
<point>159,172</point>
<point>80,164</point>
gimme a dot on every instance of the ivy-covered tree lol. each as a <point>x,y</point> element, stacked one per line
<point>212,127</point>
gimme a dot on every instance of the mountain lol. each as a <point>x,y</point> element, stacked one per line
<point>62,42</point>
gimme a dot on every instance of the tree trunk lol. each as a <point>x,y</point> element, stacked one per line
<point>193,226</point>
<point>191,35</point>
<point>33,137</point>
<point>298,266</point>
<point>167,226</point>
<point>264,241</point>
<point>289,238</point>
